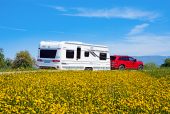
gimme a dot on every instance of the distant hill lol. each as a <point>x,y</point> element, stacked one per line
<point>158,60</point>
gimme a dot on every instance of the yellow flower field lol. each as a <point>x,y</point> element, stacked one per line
<point>84,92</point>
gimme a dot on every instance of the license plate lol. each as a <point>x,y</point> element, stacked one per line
<point>46,61</point>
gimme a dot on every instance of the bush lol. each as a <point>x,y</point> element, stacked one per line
<point>8,63</point>
<point>166,63</point>
<point>150,66</point>
<point>2,58</point>
<point>23,60</point>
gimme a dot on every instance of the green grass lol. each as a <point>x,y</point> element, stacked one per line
<point>155,72</point>
<point>20,69</point>
<point>159,72</point>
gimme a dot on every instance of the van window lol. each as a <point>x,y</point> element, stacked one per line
<point>131,59</point>
<point>86,54</point>
<point>103,56</point>
<point>48,53</point>
<point>124,58</point>
<point>70,54</point>
<point>112,57</point>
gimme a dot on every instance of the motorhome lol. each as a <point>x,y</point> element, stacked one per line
<point>68,55</point>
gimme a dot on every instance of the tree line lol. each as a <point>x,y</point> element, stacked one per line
<point>22,60</point>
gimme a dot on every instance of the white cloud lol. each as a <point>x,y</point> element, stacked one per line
<point>12,28</point>
<point>58,8</point>
<point>126,13</point>
<point>138,29</point>
<point>137,45</point>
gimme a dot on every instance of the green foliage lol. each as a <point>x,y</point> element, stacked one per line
<point>8,63</point>
<point>22,60</point>
<point>150,66</point>
<point>166,63</point>
<point>2,58</point>
<point>34,61</point>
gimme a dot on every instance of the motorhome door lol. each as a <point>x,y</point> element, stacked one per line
<point>78,53</point>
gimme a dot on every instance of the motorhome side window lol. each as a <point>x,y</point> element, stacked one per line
<point>47,53</point>
<point>103,56</point>
<point>86,54</point>
<point>70,54</point>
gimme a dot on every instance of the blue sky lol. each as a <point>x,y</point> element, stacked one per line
<point>128,27</point>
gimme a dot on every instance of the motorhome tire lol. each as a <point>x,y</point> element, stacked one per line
<point>88,68</point>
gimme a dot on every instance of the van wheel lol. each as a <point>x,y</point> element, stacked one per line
<point>88,68</point>
<point>140,67</point>
<point>121,67</point>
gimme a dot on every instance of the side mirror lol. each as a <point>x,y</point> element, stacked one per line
<point>134,60</point>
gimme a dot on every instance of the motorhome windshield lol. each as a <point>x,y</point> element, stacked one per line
<point>48,53</point>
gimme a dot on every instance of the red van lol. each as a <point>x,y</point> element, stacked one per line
<point>125,62</point>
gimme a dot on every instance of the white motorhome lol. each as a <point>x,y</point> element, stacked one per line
<point>67,55</point>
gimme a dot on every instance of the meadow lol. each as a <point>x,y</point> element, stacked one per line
<point>86,92</point>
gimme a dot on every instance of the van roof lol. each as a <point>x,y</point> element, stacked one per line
<point>68,42</point>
